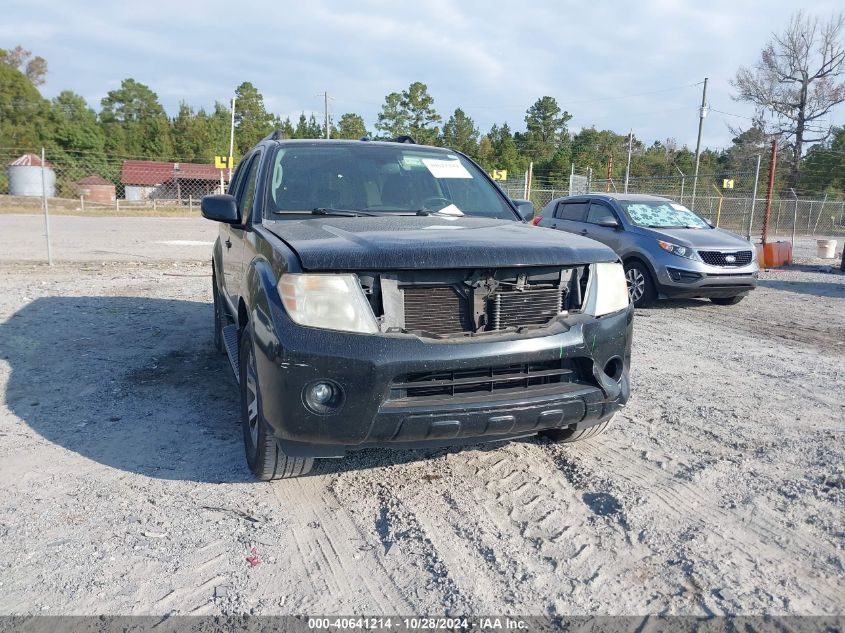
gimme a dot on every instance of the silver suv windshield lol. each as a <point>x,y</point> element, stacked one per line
<point>663,215</point>
<point>371,179</point>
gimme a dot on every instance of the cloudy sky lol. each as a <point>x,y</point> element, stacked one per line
<point>612,64</point>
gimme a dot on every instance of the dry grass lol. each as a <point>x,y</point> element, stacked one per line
<point>60,206</point>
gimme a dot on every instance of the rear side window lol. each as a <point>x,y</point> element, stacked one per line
<point>571,211</point>
<point>599,212</point>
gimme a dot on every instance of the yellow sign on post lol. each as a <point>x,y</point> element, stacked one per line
<point>728,183</point>
<point>220,162</point>
<point>499,174</point>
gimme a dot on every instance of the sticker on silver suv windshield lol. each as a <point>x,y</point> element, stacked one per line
<point>446,168</point>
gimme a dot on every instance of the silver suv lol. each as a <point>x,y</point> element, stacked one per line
<point>667,250</point>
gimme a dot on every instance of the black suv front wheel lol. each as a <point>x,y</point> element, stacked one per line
<point>263,454</point>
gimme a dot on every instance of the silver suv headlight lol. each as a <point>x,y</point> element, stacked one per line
<point>608,289</point>
<point>680,251</point>
<point>328,301</point>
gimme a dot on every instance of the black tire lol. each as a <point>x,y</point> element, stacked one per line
<point>566,436</point>
<point>727,301</point>
<point>263,455</point>
<point>219,317</point>
<point>641,289</point>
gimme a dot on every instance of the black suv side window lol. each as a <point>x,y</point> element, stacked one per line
<point>247,193</point>
<point>599,212</point>
<point>574,211</point>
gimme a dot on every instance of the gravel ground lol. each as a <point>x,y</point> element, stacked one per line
<point>123,490</point>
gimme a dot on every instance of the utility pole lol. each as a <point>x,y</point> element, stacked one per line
<point>701,114</point>
<point>326,98</point>
<point>231,159</point>
<point>628,166</point>
<point>609,173</point>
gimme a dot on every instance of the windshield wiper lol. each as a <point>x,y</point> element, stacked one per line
<point>344,213</point>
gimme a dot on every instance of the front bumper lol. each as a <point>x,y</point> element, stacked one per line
<point>289,357</point>
<point>683,279</point>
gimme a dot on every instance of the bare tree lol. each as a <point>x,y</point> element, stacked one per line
<point>35,68</point>
<point>796,82</point>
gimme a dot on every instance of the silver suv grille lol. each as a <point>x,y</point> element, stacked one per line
<point>726,258</point>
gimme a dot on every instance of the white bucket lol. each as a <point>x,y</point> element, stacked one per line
<point>826,249</point>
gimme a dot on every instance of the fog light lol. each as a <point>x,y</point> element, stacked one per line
<point>614,368</point>
<point>321,393</point>
<point>323,396</point>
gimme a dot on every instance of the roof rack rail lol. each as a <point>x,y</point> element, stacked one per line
<point>404,139</point>
<point>275,135</point>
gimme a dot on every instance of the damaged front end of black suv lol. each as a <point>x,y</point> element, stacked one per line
<point>411,306</point>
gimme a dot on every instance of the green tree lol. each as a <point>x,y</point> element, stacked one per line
<point>460,133</point>
<point>192,135</point>
<point>308,127</point>
<point>745,147</point>
<point>73,126</point>
<point>505,153</point>
<point>350,126</point>
<point>546,130</point>
<point>22,110</point>
<point>823,169</point>
<point>410,112</point>
<point>421,115</point>
<point>252,121</point>
<point>393,118</point>
<point>134,122</point>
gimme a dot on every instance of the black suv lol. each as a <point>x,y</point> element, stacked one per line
<point>389,294</point>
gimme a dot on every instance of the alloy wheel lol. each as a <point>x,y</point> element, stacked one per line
<point>636,284</point>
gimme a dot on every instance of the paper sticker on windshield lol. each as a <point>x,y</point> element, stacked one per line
<point>678,207</point>
<point>446,168</point>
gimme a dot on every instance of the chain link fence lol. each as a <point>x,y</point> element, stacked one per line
<point>726,199</point>
<point>88,183</point>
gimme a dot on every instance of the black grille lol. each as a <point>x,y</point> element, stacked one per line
<point>439,310</point>
<point>718,258</point>
<point>529,307</point>
<point>482,380</point>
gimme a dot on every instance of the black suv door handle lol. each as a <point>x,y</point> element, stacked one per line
<point>228,243</point>
<point>584,231</point>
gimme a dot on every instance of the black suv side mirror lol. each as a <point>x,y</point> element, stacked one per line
<point>610,223</point>
<point>525,209</point>
<point>220,207</point>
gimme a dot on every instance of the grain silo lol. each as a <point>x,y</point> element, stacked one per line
<point>25,178</point>
<point>95,189</point>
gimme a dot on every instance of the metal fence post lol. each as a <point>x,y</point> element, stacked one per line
<point>794,217</point>
<point>46,210</point>
<point>753,198</point>
<point>819,216</point>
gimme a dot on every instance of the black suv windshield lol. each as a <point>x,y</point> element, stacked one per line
<point>373,179</point>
